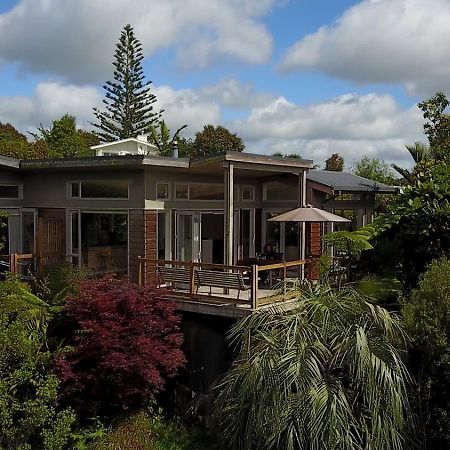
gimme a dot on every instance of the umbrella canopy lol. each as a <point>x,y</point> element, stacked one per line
<point>308,214</point>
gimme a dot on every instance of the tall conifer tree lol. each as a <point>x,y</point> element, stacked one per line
<point>129,102</point>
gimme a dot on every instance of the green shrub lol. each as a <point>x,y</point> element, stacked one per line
<point>427,318</point>
<point>145,431</point>
<point>29,418</point>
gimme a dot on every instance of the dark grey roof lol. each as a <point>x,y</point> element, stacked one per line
<point>347,182</point>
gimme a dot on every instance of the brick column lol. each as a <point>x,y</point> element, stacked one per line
<point>314,248</point>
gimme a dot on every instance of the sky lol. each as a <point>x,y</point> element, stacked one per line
<point>312,77</point>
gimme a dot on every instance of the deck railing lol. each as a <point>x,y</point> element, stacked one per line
<point>22,265</point>
<point>241,286</point>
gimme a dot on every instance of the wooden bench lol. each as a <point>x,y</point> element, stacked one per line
<point>174,275</point>
<point>225,280</point>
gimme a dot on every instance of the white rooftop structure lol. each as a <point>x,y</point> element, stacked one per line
<point>130,146</point>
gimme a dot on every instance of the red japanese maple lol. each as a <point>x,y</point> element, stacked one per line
<point>128,346</point>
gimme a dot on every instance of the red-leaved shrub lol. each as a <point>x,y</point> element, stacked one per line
<point>128,345</point>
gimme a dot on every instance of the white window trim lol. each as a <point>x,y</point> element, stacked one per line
<point>70,197</point>
<point>169,190</point>
<point>20,191</point>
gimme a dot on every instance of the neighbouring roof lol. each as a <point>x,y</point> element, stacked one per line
<point>122,141</point>
<point>347,182</point>
<point>6,161</point>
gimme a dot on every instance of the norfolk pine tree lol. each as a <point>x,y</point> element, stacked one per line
<point>129,102</point>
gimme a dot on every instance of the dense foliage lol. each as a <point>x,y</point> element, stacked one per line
<point>29,417</point>
<point>64,140</point>
<point>427,318</point>
<point>374,169</point>
<point>214,140</point>
<point>335,163</point>
<point>128,99</point>
<point>327,374</point>
<point>128,345</point>
<point>15,144</point>
<point>163,139</point>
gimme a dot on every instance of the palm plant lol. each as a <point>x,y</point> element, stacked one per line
<point>327,374</point>
<point>160,136</point>
<point>420,153</point>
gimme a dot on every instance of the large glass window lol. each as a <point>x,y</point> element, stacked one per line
<point>206,192</point>
<point>104,242</point>
<point>279,192</point>
<point>104,189</point>
<point>161,235</point>
<point>162,191</point>
<point>28,232</point>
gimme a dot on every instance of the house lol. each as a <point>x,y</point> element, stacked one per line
<point>122,211</point>
<point>105,212</point>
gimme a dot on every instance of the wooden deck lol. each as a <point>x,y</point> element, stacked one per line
<point>264,285</point>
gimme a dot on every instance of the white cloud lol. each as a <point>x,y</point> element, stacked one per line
<point>49,101</point>
<point>352,125</point>
<point>75,38</point>
<point>382,41</point>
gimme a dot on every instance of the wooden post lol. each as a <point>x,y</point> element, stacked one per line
<point>254,287</point>
<point>139,258</point>
<point>191,279</point>
<point>13,263</point>
<point>284,277</point>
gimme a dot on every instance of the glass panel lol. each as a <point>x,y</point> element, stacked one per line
<point>75,190</point>
<point>276,191</point>
<point>291,241</point>
<point>162,191</point>
<point>75,233</point>
<point>348,214</point>
<point>248,193</point>
<point>104,189</point>
<point>206,192</point>
<point>4,235</point>
<point>185,223</point>
<point>14,233</point>
<point>181,191</point>
<point>212,250</point>
<point>245,233</point>
<point>9,191</point>
<point>28,232</point>
<point>104,239</point>
<point>273,233</point>
<point>161,236</point>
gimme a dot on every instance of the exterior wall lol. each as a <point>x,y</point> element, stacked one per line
<point>47,189</point>
<point>8,176</point>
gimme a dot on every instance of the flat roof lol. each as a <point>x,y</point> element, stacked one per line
<point>348,182</point>
<point>6,161</point>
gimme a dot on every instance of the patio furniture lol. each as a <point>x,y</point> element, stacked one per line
<point>224,280</point>
<point>173,275</point>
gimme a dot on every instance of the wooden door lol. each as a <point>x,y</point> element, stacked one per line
<point>51,240</point>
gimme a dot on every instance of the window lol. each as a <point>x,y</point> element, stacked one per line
<point>10,191</point>
<point>206,192</point>
<point>162,191</point>
<point>248,193</point>
<point>276,191</point>
<point>28,232</point>
<point>182,191</point>
<point>199,191</point>
<point>104,189</point>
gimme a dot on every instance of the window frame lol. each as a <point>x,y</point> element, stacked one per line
<point>169,191</point>
<point>19,191</point>
<point>79,182</point>
<point>189,184</point>
<point>252,188</point>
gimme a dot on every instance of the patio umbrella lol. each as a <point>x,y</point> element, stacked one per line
<point>308,214</point>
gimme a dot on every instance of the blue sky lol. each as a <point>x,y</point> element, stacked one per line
<point>307,76</point>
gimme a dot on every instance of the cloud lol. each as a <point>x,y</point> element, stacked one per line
<point>75,38</point>
<point>352,125</point>
<point>382,41</point>
<point>49,101</point>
